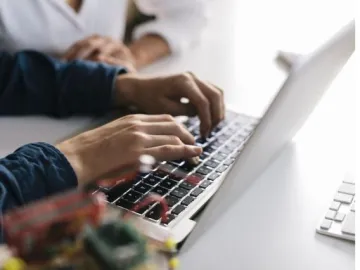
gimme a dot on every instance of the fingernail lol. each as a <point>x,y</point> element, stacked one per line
<point>194,160</point>
<point>196,150</point>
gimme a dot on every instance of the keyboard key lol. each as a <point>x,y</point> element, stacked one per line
<point>142,188</point>
<point>211,163</point>
<point>196,192</point>
<point>187,185</point>
<point>179,192</point>
<point>222,169</point>
<point>330,214</point>
<point>171,201</point>
<point>132,196</point>
<point>228,162</point>
<point>201,141</point>
<point>347,189</point>
<point>335,206</point>
<point>166,168</point>
<point>178,209</point>
<point>170,217</point>
<point>125,204</point>
<point>208,149</point>
<point>152,180</point>
<point>118,191</point>
<point>167,183</point>
<point>160,174</point>
<point>187,167</point>
<point>155,212</point>
<point>343,198</point>
<point>349,224</point>
<point>205,184</point>
<point>160,190</point>
<point>213,176</point>
<point>326,224</point>
<point>195,132</point>
<point>226,151</point>
<point>339,217</point>
<point>188,200</point>
<point>194,178</point>
<point>203,170</point>
<point>204,156</point>
<point>219,157</point>
<point>176,162</point>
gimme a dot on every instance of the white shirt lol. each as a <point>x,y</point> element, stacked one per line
<point>52,26</point>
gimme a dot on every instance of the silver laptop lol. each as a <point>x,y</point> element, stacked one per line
<point>237,151</point>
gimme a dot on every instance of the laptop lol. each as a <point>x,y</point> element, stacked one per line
<point>236,152</point>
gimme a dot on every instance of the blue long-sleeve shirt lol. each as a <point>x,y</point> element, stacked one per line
<point>33,83</point>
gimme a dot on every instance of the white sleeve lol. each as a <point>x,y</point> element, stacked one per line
<point>179,22</point>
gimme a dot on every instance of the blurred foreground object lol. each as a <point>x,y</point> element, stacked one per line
<point>79,230</point>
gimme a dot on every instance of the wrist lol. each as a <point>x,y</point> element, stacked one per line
<point>125,86</point>
<point>75,161</point>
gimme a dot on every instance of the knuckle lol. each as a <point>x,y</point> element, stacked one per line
<point>168,117</point>
<point>138,137</point>
<point>166,149</point>
<point>175,139</point>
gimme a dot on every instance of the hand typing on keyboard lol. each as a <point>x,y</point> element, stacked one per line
<point>163,94</point>
<point>117,146</point>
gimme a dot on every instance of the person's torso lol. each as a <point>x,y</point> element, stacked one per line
<point>52,26</point>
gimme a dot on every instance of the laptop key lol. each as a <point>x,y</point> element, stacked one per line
<point>155,212</point>
<point>196,192</point>
<point>203,170</point>
<point>170,217</point>
<point>228,162</point>
<point>160,190</point>
<point>219,157</point>
<point>142,188</point>
<point>160,174</point>
<point>167,183</point>
<point>188,200</point>
<point>152,180</point>
<point>187,185</point>
<point>211,163</point>
<point>222,169</point>
<point>205,184</point>
<point>226,151</point>
<point>178,209</point>
<point>118,191</point>
<point>213,176</point>
<point>171,201</point>
<point>179,192</point>
<point>125,204</point>
<point>132,196</point>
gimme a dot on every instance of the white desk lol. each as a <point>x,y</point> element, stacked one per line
<point>275,219</point>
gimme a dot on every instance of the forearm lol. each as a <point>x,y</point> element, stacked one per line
<point>32,172</point>
<point>148,49</point>
<point>33,83</point>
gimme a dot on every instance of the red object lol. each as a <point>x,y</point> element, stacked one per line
<point>33,228</point>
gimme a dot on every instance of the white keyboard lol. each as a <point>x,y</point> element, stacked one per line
<point>339,219</point>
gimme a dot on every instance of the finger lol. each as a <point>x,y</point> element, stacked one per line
<point>151,117</point>
<point>215,98</point>
<point>173,152</point>
<point>170,129</point>
<point>160,140</point>
<point>109,48</point>
<point>177,108</point>
<point>222,100</point>
<point>70,54</point>
<point>89,49</point>
<point>191,91</point>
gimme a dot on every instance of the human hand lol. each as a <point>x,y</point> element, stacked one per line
<point>118,145</point>
<point>164,94</point>
<point>102,49</point>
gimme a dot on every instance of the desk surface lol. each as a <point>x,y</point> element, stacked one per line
<point>272,225</point>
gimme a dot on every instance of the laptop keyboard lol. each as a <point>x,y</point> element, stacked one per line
<point>180,182</point>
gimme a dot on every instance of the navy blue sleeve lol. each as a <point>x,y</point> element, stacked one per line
<point>32,172</point>
<point>33,83</point>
